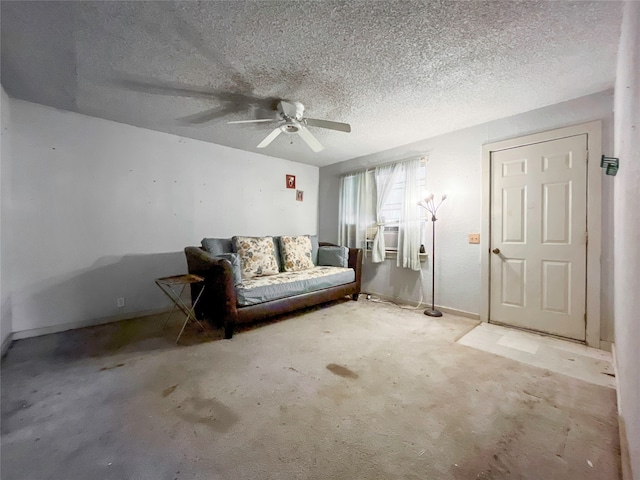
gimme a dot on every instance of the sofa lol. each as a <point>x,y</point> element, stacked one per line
<point>247,279</point>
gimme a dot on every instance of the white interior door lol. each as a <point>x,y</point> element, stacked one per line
<point>538,236</point>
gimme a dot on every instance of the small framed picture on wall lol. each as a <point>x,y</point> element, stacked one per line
<point>291,181</point>
<point>299,195</point>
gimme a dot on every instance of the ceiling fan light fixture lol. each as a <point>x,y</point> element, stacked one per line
<point>290,128</point>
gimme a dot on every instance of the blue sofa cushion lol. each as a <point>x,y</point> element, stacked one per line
<point>314,248</point>
<point>217,246</point>
<point>234,259</point>
<point>286,284</point>
<point>333,256</point>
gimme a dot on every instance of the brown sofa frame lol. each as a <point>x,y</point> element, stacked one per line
<point>219,304</point>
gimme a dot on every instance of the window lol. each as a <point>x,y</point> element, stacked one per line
<point>379,211</point>
<point>390,213</point>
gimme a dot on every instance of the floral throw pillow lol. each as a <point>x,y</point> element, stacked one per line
<point>296,253</point>
<point>257,256</point>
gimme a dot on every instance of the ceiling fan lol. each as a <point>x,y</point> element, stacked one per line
<point>293,122</point>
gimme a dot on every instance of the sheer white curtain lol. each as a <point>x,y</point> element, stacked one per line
<point>357,194</point>
<point>410,221</point>
<point>363,197</point>
<point>385,177</point>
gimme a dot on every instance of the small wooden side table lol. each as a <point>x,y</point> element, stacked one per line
<point>173,287</point>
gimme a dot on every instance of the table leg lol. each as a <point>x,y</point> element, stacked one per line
<point>173,308</point>
<point>188,311</point>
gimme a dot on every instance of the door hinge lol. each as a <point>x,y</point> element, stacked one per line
<point>587,156</point>
<point>585,317</point>
<point>586,238</point>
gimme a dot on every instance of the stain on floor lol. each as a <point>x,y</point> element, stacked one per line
<point>208,411</point>
<point>112,367</point>
<point>342,371</point>
<point>168,391</point>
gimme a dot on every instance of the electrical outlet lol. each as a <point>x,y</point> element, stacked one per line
<point>474,238</point>
<point>120,302</point>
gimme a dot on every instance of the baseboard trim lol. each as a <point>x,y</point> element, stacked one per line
<point>36,332</point>
<point>6,344</point>
<point>606,345</point>
<point>625,458</point>
<point>460,313</point>
<point>403,301</point>
<point>614,360</point>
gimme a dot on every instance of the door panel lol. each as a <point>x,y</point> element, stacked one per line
<point>556,213</point>
<point>514,276</point>
<point>538,225</point>
<point>514,214</point>
<point>556,287</point>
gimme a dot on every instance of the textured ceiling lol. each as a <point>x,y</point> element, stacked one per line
<point>397,71</point>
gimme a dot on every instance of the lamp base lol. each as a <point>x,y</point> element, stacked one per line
<point>433,312</point>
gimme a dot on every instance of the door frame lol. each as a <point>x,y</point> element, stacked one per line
<point>593,130</point>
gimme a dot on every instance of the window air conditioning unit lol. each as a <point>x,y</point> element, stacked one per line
<point>391,238</point>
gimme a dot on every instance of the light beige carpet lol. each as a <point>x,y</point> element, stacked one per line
<point>355,390</point>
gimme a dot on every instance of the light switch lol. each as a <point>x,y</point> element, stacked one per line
<point>474,238</point>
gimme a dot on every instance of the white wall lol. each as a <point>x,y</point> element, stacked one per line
<point>455,167</point>
<point>100,209</point>
<point>5,232</point>
<point>627,228</point>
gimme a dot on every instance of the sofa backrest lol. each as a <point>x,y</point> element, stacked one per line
<point>218,246</point>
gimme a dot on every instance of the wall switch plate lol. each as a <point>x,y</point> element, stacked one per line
<point>120,302</point>
<point>474,238</point>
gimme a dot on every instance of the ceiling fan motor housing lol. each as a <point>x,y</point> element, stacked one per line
<point>293,110</point>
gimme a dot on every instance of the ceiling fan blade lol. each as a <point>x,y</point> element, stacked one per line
<point>312,141</point>
<point>256,121</point>
<point>209,114</point>
<point>242,97</point>
<point>176,90</point>
<point>270,138</point>
<point>341,127</point>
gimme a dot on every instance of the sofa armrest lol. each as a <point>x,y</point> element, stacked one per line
<point>219,299</point>
<point>200,262</point>
<point>355,262</point>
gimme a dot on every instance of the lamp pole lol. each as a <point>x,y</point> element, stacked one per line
<point>433,312</point>
<point>429,204</point>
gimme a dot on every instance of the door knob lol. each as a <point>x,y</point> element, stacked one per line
<point>496,251</point>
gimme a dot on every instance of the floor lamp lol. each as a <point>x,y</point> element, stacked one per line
<point>430,205</point>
